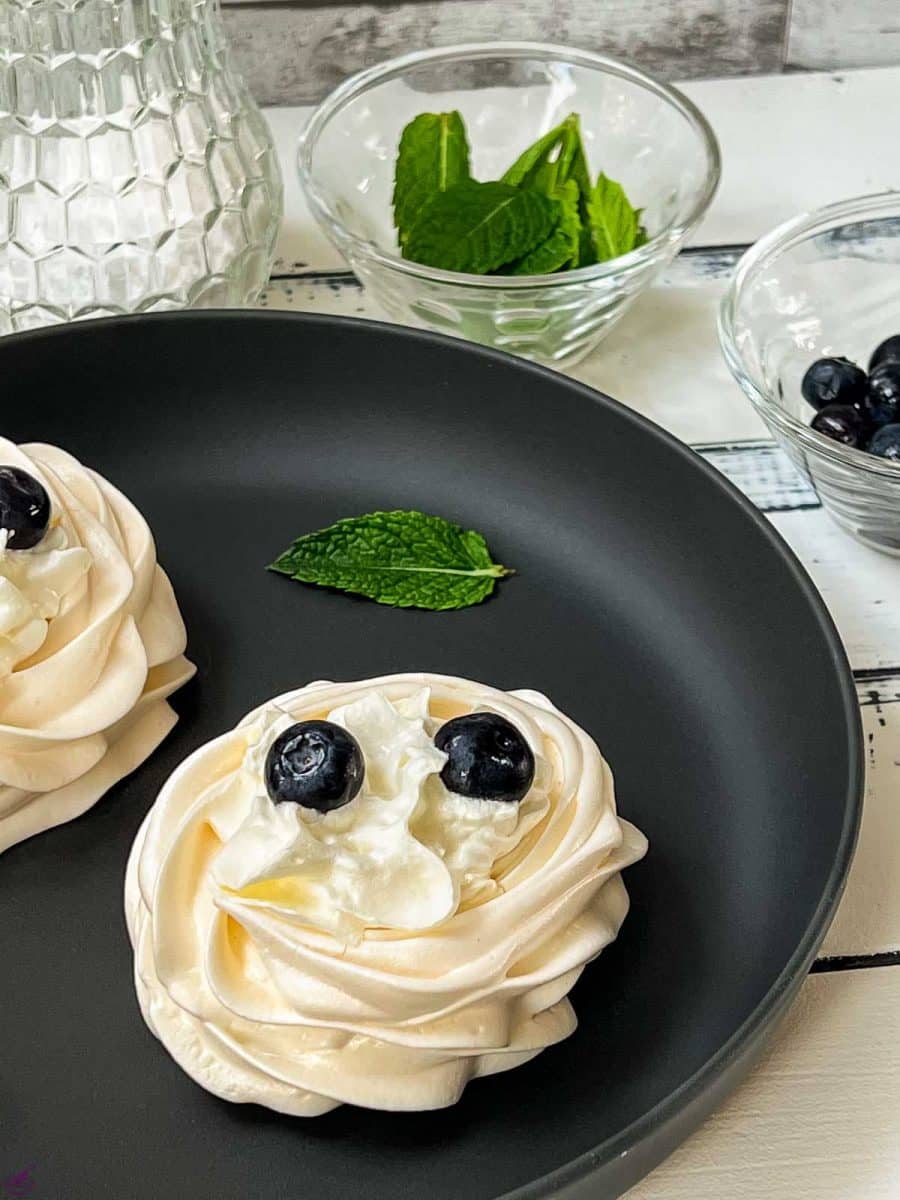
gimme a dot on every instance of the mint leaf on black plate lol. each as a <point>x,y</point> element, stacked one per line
<point>401,558</point>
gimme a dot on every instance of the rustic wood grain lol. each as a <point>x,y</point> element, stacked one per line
<point>764,474</point>
<point>868,919</point>
<point>294,53</point>
<point>859,585</point>
<point>819,1119</point>
<point>827,34</point>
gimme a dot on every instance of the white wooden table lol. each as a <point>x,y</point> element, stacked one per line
<point>820,1117</point>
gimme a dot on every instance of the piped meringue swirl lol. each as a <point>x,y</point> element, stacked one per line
<point>91,644</point>
<point>387,952</point>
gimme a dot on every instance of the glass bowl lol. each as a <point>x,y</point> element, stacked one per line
<point>824,283</point>
<point>639,131</point>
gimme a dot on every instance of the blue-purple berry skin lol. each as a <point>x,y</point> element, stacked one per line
<point>886,351</point>
<point>833,381</point>
<point>842,423</point>
<point>24,508</point>
<point>881,405</point>
<point>487,758</point>
<point>316,764</point>
<point>886,442</point>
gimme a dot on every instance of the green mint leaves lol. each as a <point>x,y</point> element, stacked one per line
<point>615,225</point>
<point>477,227</point>
<point>527,167</point>
<point>405,559</point>
<point>562,246</point>
<point>434,155</point>
<point>544,215</point>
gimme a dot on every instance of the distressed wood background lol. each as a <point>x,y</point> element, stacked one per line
<point>295,51</point>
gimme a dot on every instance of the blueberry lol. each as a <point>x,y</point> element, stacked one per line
<point>841,423</point>
<point>314,763</point>
<point>833,381</point>
<point>487,758</point>
<point>886,442</point>
<point>882,403</point>
<point>24,508</point>
<point>887,351</point>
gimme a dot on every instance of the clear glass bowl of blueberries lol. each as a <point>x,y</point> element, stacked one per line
<point>810,328</point>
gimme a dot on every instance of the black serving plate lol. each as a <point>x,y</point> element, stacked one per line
<point>652,602</point>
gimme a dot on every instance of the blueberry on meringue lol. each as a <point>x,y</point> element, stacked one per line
<point>314,763</point>
<point>24,508</point>
<point>487,758</point>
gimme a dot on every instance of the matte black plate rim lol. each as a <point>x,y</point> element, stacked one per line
<point>771,1007</point>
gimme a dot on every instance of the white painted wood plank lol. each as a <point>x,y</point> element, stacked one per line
<point>795,142</point>
<point>301,244</point>
<point>827,34</point>
<point>765,475</point>
<point>860,586</point>
<point>789,143</point>
<point>868,920</point>
<point>819,1119</point>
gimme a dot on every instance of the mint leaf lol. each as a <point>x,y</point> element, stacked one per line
<point>545,178</point>
<point>573,159</point>
<point>574,166</point>
<point>523,170</point>
<point>406,559</point>
<point>614,223</point>
<point>561,248</point>
<point>433,155</point>
<point>478,227</point>
<point>553,161</point>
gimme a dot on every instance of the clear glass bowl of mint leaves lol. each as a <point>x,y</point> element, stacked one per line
<point>515,194</point>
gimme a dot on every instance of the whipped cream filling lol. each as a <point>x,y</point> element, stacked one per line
<point>36,586</point>
<point>91,644</point>
<point>402,855</point>
<point>387,952</point>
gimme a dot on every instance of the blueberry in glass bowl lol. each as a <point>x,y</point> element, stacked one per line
<point>823,286</point>
<point>886,442</point>
<point>881,403</point>
<point>842,423</point>
<point>833,381</point>
<point>851,406</point>
<point>886,351</point>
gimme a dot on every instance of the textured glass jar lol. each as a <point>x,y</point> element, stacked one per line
<point>136,173</point>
